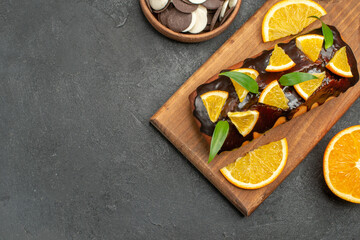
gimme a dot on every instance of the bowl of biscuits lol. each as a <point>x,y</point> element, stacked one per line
<point>190,21</point>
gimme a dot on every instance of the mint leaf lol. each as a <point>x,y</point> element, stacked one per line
<point>328,34</point>
<point>294,78</point>
<point>220,133</point>
<point>244,80</point>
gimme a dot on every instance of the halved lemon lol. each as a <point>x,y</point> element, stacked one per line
<point>305,89</point>
<point>244,121</point>
<point>310,45</point>
<point>259,167</point>
<point>342,164</point>
<point>214,102</point>
<point>339,64</point>
<point>289,17</point>
<point>274,96</point>
<point>240,90</point>
<point>279,61</point>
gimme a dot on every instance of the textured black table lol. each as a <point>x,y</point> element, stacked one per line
<point>79,81</point>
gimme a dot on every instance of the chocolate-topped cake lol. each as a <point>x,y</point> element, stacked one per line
<point>269,116</point>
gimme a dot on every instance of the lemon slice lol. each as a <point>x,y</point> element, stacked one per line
<point>306,89</point>
<point>279,61</point>
<point>339,64</point>
<point>214,102</point>
<point>240,90</point>
<point>310,45</point>
<point>289,17</point>
<point>342,164</point>
<point>258,168</point>
<point>274,96</point>
<point>244,121</point>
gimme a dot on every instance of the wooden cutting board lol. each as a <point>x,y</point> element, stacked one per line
<point>174,119</point>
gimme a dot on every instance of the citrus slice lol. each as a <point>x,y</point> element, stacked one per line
<point>259,167</point>
<point>310,45</point>
<point>342,164</point>
<point>244,121</point>
<point>274,96</point>
<point>214,102</point>
<point>240,90</point>
<point>339,64</point>
<point>289,17</point>
<point>305,89</point>
<point>279,61</point>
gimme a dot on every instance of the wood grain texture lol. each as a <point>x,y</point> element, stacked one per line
<point>187,37</point>
<point>302,133</point>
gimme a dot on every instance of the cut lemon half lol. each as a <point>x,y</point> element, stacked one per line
<point>244,121</point>
<point>310,45</point>
<point>259,167</point>
<point>289,17</point>
<point>342,164</point>
<point>306,89</point>
<point>240,90</point>
<point>279,61</point>
<point>274,96</point>
<point>339,64</point>
<point>214,102</point>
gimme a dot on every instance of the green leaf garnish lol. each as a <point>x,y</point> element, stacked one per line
<point>294,78</point>
<point>328,34</point>
<point>244,80</point>
<point>220,133</point>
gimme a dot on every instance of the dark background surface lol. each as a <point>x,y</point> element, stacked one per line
<point>79,81</point>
